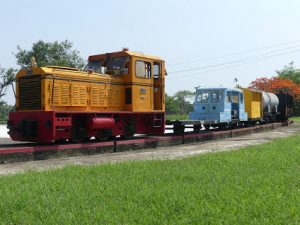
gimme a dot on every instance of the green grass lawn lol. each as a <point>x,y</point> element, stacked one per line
<point>177,117</point>
<point>295,118</point>
<point>256,185</point>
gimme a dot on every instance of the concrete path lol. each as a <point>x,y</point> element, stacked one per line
<point>172,152</point>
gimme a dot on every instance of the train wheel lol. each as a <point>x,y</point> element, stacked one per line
<point>234,125</point>
<point>207,127</point>
<point>78,139</point>
<point>197,128</point>
<point>129,129</point>
<point>61,141</point>
<point>127,136</point>
<point>79,133</point>
<point>104,135</point>
<point>178,129</point>
<point>222,127</point>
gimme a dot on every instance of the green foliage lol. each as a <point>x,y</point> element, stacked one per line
<point>7,78</point>
<point>255,185</point>
<point>50,53</point>
<point>4,110</point>
<point>180,102</point>
<point>289,72</point>
<point>170,104</point>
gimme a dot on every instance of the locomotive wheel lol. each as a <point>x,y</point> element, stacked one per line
<point>78,139</point>
<point>112,137</point>
<point>60,141</point>
<point>129,129</point>
<point>103,138</point>
<point>104,135</point>
<point>127,136</point>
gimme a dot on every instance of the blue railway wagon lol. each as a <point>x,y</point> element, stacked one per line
<point>219,107</point>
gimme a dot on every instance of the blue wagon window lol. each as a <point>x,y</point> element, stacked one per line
<point>235,98</point>
<point>232,97</point>
<point>214,96</point>
<point>228,96</point>
<point>220,96</point>
<point>202,97</point>
<point>217,96</point>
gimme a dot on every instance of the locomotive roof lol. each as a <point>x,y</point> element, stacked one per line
<point>136,54</point>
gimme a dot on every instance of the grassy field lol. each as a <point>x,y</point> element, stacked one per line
<point>295,118</point>
<point>256,185</point>
<point>177,117</point>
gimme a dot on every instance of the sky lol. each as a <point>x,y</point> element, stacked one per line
<point>204,43</point>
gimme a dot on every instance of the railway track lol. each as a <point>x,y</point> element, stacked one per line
<point>32,151</point>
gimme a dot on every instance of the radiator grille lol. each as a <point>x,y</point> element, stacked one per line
<point>30,92</point>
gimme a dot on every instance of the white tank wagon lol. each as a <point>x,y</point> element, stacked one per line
<point>270,104</point>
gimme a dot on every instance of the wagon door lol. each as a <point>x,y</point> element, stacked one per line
<point>235,106</point>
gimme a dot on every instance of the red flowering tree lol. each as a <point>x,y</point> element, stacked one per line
<point>276,85</point>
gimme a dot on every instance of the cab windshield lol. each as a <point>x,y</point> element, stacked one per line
<point>202,97</point>
<point>117,63</point>
<point>217,96</point>
<point>94,66</point>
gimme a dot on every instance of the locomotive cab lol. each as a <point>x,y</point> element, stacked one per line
<point>142,77</point>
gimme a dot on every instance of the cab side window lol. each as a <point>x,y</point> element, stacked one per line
<point>143,69</point>
<point>156,70</point>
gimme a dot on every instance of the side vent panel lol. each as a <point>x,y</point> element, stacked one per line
<point>30,92</point>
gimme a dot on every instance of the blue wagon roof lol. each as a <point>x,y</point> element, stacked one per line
<point>218,89</point>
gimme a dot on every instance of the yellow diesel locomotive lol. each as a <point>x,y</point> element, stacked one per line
<point>119,93</point>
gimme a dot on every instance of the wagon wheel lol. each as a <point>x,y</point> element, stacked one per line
<point>207,127</point>
<point>222,127</point>
<point>197,128</point>
<point>178,129</point>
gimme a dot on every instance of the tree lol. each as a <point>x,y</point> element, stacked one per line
<point>50,53</point>
<point>183,99</point>
<point>171,106</point>
<point>276,85</point>
<point>7,78</point>
<point>289,72</point>
<point>4,110</point>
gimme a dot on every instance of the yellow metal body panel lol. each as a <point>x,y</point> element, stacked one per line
<point>66,89</point>
<point>253,103</point>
